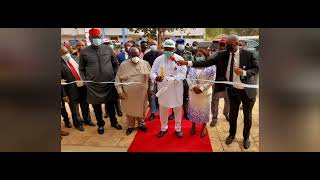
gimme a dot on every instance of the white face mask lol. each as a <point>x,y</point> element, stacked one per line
<point>135,59</point>
<point>66,57</point>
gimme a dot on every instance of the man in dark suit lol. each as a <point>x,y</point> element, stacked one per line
<point>238,66</point>
<point>98,63</point>
<point>76,92</point>
<point>124,55</point>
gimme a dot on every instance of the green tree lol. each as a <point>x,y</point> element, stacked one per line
<point>212,33</point>
<point>155,32</point>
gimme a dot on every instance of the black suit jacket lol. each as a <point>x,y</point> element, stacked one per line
<point>247,62</point>
<point>71,90</point>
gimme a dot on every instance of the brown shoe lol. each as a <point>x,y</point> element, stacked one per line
<point>64,133</point>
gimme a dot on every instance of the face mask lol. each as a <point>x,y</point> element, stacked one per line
<point>153,48</point>
<point>168,54</point>
<point>66,56</point>
<point>135,59</point>
<point>200,58</point>
<point>229,48</point>
<point>181,47</point>
<point>97,41</point>
<point>111,46</point>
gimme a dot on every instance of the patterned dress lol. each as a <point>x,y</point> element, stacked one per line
<point>200,104</point>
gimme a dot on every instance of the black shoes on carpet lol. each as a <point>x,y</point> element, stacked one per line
<point>162,133</point>
<point>152,116</point>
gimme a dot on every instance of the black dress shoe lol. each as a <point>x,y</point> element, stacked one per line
<point>186,117</point>
<point>227,117</point>
<point>179,134</point>
<point>129,131</point>
<point>106,116</point>
<point>80,128</point>
<point>143,128</point>
<point>162,133</point>
<point>68,125</point>
<point>213,123</point>
<point>117,126</point>
<point>229,139</point>
<point>100,130</point>
<point>152,116</point>
<point>246,144</point>
<point>119,113</point>
<point>171,117</point>
<point>89,123</point>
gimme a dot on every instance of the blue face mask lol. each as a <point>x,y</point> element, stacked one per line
<point>181,47</point>
<point>111,45</point>
<point>97,41</point>
<point>200,58</point>
<point>66,57</point>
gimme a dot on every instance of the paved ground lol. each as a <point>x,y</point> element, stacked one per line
<point>116,141</point>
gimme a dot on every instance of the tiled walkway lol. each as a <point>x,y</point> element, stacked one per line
<point>117,141</point>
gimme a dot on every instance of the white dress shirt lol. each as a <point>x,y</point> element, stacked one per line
<point>76,66</point>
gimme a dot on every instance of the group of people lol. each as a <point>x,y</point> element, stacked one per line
<point>172,77</point>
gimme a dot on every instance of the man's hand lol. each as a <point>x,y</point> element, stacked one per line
<point>159,78</point>
<point>150,93</point>
<point>66,99</point>
<point>239,71</point>
<point>197,90</point>
<point>122,96</point>
<point>182,62</point>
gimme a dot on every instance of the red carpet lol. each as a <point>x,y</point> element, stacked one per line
<point>149,142</point>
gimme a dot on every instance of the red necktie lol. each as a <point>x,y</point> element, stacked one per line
<point>74,71</point>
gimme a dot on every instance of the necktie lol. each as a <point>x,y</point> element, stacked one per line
<point>74,71</point>
<point>231,68</point>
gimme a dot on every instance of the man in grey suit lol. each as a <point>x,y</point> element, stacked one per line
<point>238,66</point>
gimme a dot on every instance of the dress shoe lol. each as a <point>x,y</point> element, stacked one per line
<point>229,139</point>
<point>227,117</point>
<point>106,116</point>
<point>68,124</point>
<point>80,128</point>
<point>203,132</point>
<point>89,123</point>
<point>179,134</point>
<point>193,130</point>
<point>246,143</point>
<point>171,117</point>
<point>119,114</point>
<point>152,116</point>
<point>213,123</point>
<point>129,131</point>
<point>117,126</point>
<point>143,128</point>
<point>186,117</point>
<point>64,133</point>
<point>162,133</point>
<point>100,130</point>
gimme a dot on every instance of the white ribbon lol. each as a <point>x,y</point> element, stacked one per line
<point>221,82</point>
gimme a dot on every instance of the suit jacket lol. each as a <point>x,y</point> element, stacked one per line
<point>71,90</point>
<point>246,59</point>
<point>121,57</point>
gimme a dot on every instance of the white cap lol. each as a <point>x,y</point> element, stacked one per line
<point>169,43</point>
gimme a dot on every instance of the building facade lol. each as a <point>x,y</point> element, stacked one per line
<point>190,34</point>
